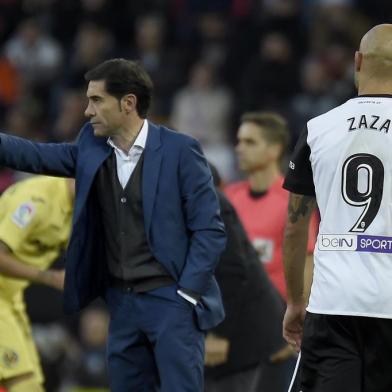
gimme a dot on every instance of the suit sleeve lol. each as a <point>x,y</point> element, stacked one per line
<point>55,159</point>
<point>201,208</point>
<point>299,177</point>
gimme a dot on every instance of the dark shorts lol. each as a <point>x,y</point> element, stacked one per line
<point>345,354</point>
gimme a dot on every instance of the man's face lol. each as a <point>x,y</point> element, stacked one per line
<point>103,110</point>
<point>254,152</point>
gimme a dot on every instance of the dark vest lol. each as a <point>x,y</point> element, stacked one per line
<point>127,252</point>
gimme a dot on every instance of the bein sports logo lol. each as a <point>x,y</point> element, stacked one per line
<point>359,243</point>
<point>337,242</point>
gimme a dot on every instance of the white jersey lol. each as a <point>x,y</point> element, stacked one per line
<point>345,159</point>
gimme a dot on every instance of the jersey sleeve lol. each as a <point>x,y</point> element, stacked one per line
<point>18,222</point>
<point>299,177</point>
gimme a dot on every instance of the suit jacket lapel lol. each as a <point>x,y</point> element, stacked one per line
<point>151,167</point>
<point>91,162</point>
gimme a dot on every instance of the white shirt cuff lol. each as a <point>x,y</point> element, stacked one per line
<point>187,297</point>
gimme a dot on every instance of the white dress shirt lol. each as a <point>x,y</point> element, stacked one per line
<point>126,162</point>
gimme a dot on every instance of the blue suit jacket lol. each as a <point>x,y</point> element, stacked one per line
<point>181,212</point>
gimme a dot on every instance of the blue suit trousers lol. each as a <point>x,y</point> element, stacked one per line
<point>154,342</point>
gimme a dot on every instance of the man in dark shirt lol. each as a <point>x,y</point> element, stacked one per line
<point>239,352</point>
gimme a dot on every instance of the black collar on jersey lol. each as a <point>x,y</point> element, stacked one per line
<point>375,95</point>
<point>257,194</point>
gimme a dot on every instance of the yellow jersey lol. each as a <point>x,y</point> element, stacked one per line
<point>35,223</point>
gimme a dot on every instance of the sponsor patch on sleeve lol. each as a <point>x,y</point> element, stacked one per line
<point>24,214</point>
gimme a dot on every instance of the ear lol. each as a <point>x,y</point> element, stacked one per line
<point>275,151</point>
<point>128,103</point>
<point>358,61</point>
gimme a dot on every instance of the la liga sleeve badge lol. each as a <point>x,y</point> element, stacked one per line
<point>24,214</point>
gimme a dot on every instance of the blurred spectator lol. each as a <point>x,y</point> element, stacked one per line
<point>7,178</point>
<point>71,115</point>
<point>203,109</point>
<point>378,14</point>
<point>314,97</point>
<point>87,371</point>
<point>25,120</point>
<point>9,84</point>
<point>56,347</point>
<point>91,46</point>
<point>10,16</point>
<point>283,16</point>
<point>337,60</point>
<point>335,21</point>
<point>36,55</point>
<point>270,79</point>
<point>212,30</point>
<point>164,64</point>
<point>67,16</point>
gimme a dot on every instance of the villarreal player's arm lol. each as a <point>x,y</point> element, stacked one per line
<point>11,267</point>
<point>35,220</point>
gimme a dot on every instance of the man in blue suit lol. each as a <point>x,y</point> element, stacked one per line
<point>146,231</point>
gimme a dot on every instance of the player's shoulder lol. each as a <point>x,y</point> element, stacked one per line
<point>42,185</point>
<point>329,117</point>
<point>26,201</point>
<point>39,190</point>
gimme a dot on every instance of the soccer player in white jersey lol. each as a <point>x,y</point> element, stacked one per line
<point>343,161</point>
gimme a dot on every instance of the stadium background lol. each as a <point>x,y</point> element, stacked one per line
<point>210,61</point>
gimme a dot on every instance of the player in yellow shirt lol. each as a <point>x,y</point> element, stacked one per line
<point>35,224</point>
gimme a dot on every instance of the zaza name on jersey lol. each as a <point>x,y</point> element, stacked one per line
<point>366,121</point>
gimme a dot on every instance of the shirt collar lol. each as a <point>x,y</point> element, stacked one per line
<point>374,95</point>
<point>140,140</point>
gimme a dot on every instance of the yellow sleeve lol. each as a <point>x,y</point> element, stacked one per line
<point>20,219</point>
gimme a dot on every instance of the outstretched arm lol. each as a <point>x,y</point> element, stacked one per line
<point>56,159</point>
<point>294,255</point>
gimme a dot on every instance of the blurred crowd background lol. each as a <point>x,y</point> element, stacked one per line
<point>210,60</point>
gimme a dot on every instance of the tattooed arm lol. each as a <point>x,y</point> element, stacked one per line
<point>294,255</point>
<point>295,244</point>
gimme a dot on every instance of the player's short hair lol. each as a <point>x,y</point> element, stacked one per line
<point>124,77</point>
<point>273,126</point>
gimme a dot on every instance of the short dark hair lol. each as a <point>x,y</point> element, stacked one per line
<point>274,127</point>
<point>123,77</point>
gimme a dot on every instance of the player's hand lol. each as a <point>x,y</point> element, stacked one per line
<point>58,277</point>
<point>53,278</point>
<point>282,355</point>
<point>293,325</point>
<point>216,350</point>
